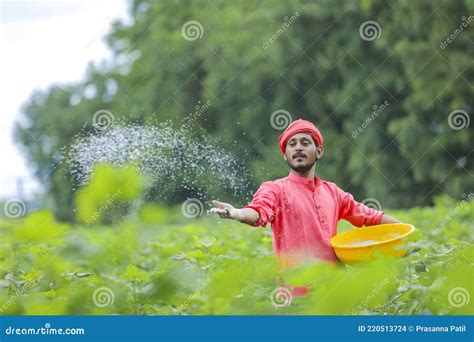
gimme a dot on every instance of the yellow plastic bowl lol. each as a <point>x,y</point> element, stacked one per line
<point>364,243</point>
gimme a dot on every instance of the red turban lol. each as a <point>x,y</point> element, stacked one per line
<point>300,126</point>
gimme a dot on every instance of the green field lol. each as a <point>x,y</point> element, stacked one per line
<point>156,261</point>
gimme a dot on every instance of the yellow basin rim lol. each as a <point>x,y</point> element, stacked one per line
<point>334,243</point>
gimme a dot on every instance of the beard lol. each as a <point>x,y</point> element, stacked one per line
<point>303,167</point>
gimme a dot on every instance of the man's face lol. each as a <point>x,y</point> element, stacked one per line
<point>301,152</point>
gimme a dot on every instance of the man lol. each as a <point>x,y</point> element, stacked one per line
<point>303,210</point>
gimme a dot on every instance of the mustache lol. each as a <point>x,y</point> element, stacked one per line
<point>299,154</point>
<point>301,168</point>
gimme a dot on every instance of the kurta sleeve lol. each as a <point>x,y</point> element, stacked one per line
<point>264,203</point>
<point>356,213</point>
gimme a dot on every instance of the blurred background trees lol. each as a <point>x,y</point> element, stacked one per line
<point>382,104</point>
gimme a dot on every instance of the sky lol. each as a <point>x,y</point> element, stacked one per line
<point>44,43</point>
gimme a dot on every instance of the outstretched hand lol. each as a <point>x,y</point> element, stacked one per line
<point>225,210</point>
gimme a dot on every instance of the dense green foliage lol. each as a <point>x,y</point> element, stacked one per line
<point>156,261</point>
<point>317,67</point>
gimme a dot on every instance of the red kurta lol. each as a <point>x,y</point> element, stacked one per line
<point>304,218</point>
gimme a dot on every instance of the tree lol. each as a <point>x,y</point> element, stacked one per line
<point>382,103</point>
